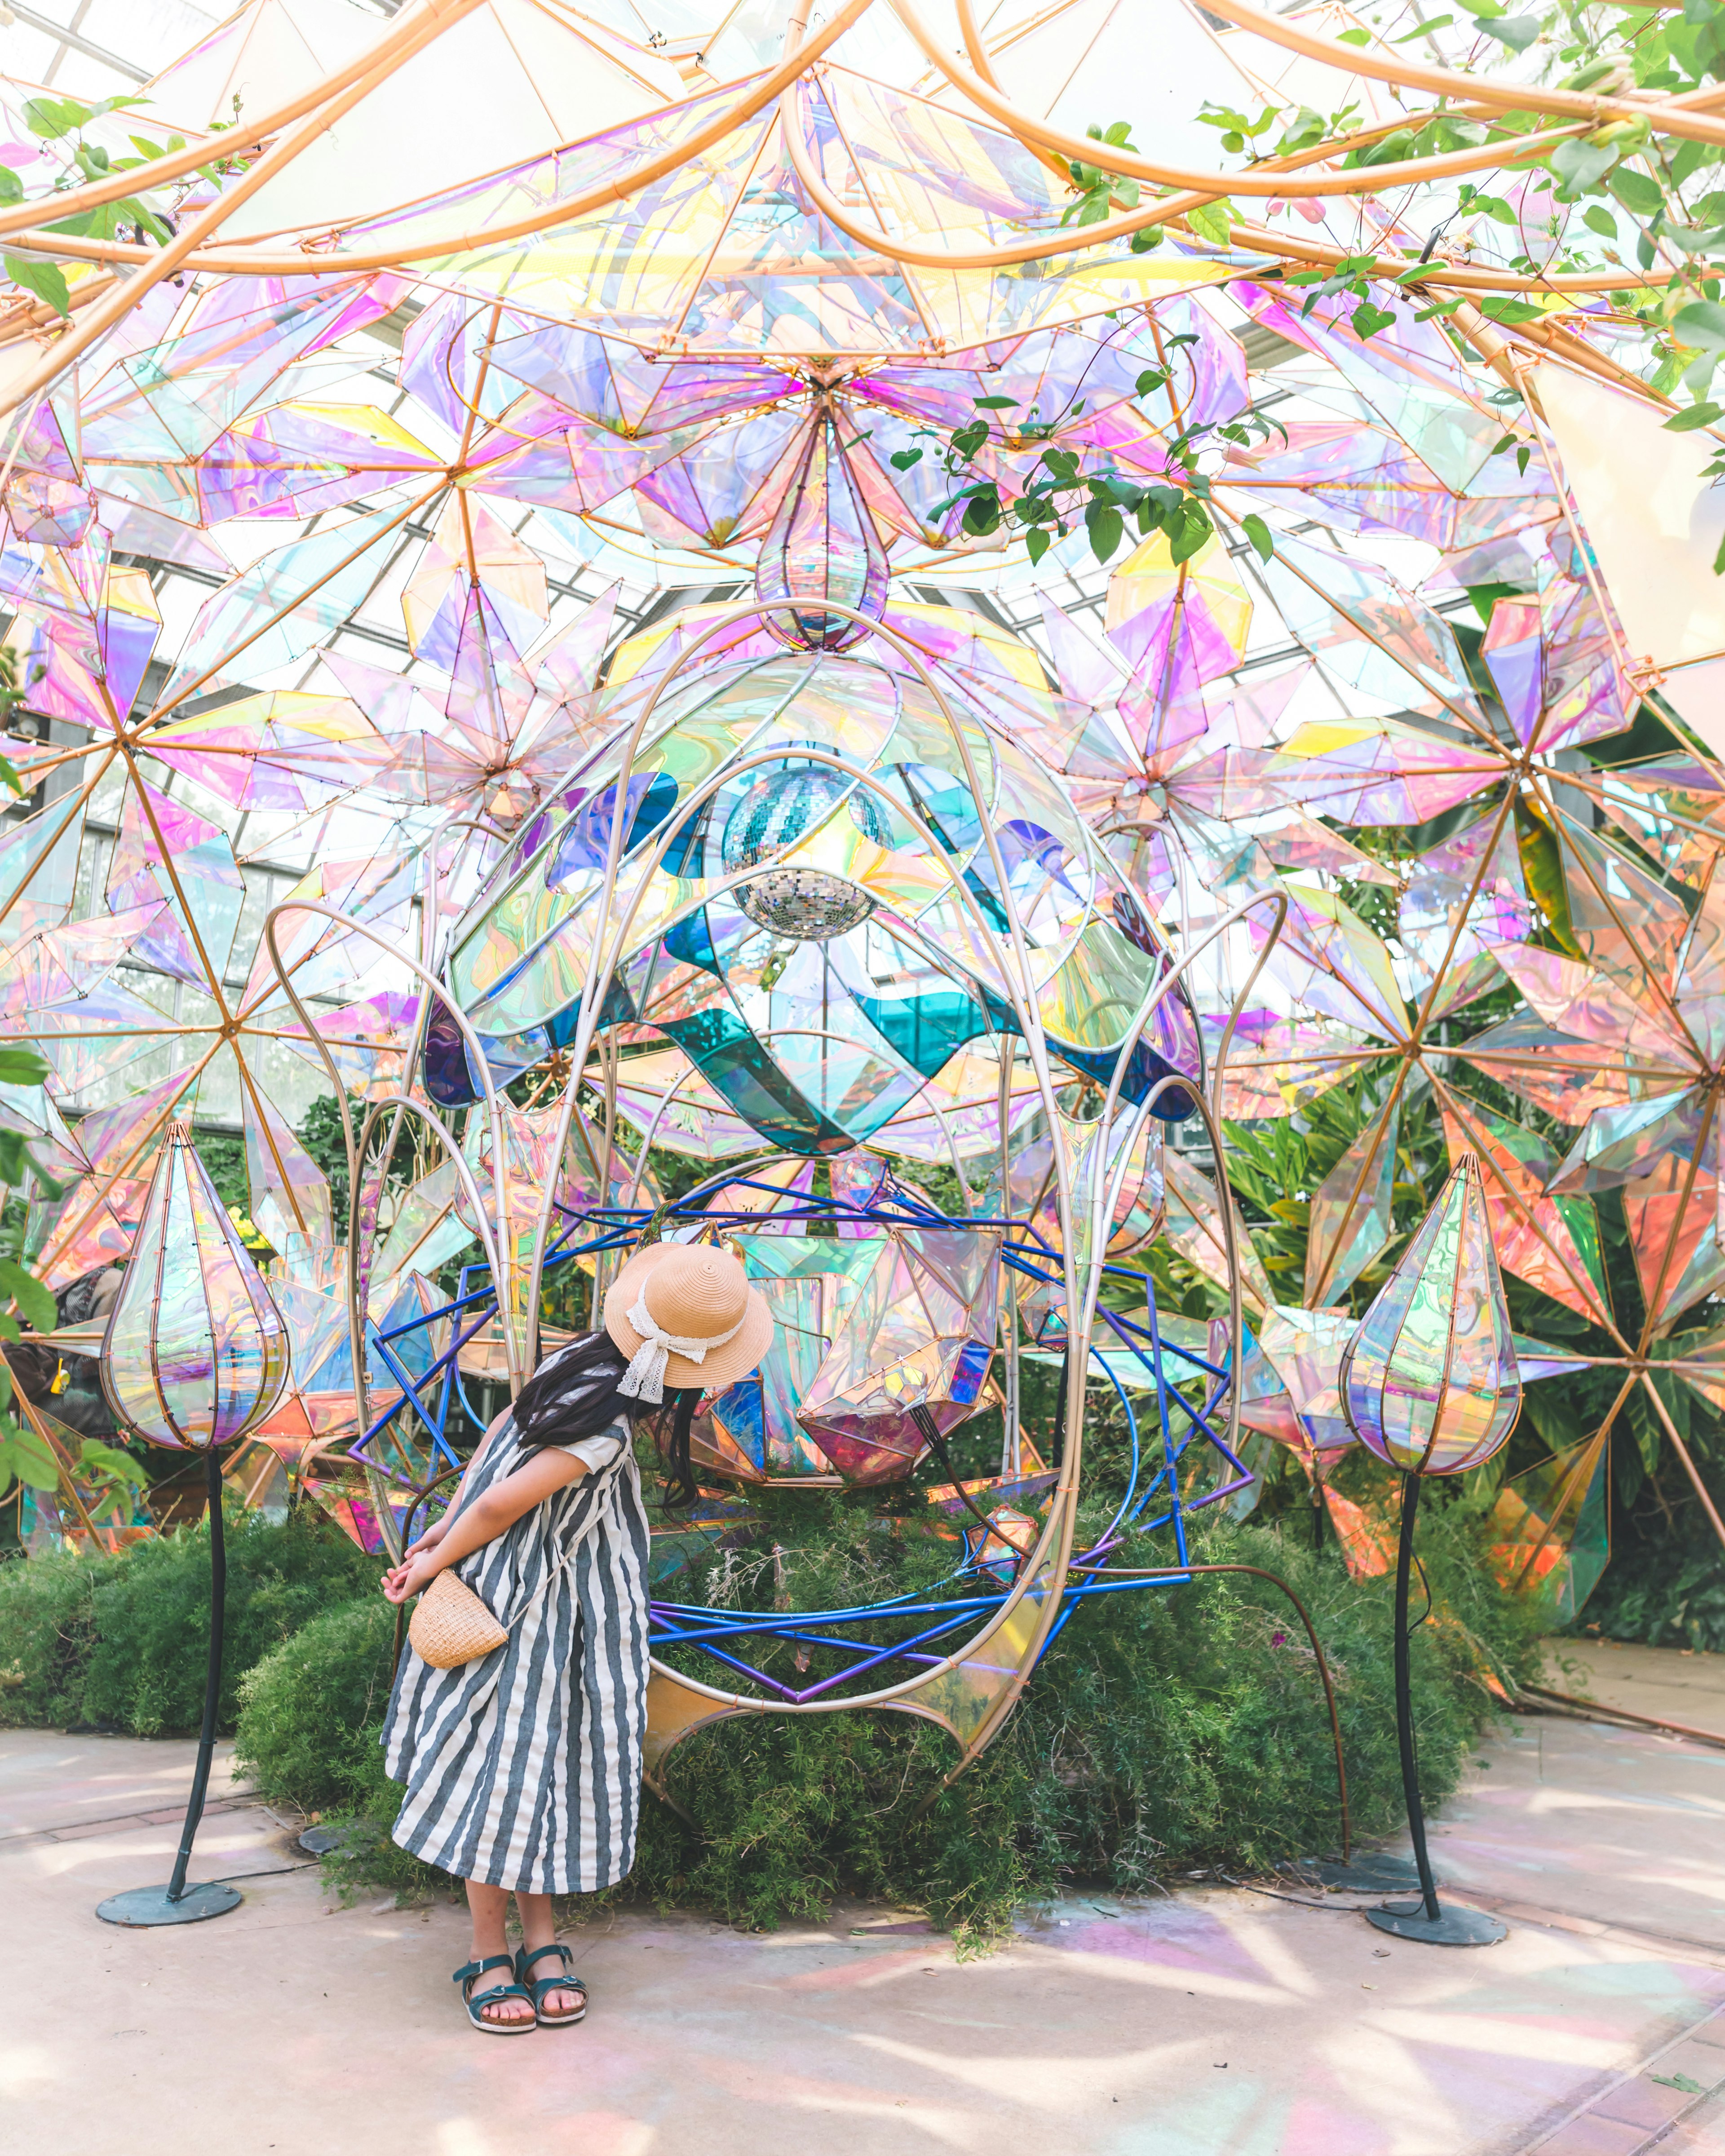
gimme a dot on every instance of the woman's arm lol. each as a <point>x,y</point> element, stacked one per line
<point>440,1526</point>
<point>484,1520</point>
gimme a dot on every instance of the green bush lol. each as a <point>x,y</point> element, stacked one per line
<point>1167,1729</point>
<point>47,1636</point>
<point>125,1640</point>
<point>309,1711</point>
<point>1667,1595</point>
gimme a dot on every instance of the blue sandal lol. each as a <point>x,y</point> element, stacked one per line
<point>469,1974</point>
<point>568,1981</point>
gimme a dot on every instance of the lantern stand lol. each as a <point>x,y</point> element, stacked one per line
<point>1429,1381</point>
<point>1423,1919</point>
<point>178,1903</point>
<point>193,1322</point>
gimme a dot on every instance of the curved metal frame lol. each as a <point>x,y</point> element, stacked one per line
<point>1019,982</point>
<point>356,1316</point>
<point>1043,1573</point>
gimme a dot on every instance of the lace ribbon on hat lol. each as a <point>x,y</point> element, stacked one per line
<point>645,1377</point>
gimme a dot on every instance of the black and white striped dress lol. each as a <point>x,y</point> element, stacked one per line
<point>524,1767</point>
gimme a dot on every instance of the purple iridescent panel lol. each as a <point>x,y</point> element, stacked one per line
<point>196,1352</point>
<point>1431,1382</point>
<point>822,548</point>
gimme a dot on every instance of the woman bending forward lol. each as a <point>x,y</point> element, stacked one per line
<point>523,1767</point>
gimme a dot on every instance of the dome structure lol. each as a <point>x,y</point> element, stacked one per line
<point>819,895</point>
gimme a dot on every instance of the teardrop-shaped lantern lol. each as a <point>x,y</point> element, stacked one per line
<point>196,1352</point>
<point>822,547</point>
<point>1429,1382</point>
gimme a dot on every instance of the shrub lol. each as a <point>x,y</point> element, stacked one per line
<point>1667,1595</point>
<point>1166,1729</point>
<point>125,1640</point>
<point>47,1636</point>
<point>309,1711</point>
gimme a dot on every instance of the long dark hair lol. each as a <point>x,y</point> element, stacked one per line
<point>574,1394</point>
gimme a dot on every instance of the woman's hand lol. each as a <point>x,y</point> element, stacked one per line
<point>429,1540</point>
<point>411,1576</point>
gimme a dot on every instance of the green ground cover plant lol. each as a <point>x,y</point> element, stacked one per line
<point>121,1642</point>
<point>1167,1730</point>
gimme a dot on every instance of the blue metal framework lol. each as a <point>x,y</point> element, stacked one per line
<point>917,1622</point>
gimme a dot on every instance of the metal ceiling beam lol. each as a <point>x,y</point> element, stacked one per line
<point>50,29</point>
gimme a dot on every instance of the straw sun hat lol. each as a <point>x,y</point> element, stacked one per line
<point>686,1314</point>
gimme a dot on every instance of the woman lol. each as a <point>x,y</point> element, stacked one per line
<point>523,1767</point>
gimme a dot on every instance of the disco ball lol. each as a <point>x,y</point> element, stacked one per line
<point>806,905</point>
<point>784,806</point>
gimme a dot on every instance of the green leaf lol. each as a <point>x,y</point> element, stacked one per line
<point>36,1302</point>
<point>22,1066</point>
<point>1695,415</point>
<point>106,1459</point>
<point>902,459</point>
<point>1637,192</point>
<point>1517,32</point>
<point>996,404</point>
<point>1678,2081</point>
<point>1258,532</point>
<point>1367,320</point>
<point>12,187</point>
<point>1580,166</point>
<point>1600,221</point>
<point>44,279</point>
<point>1354,38</point>
<point>52,117</point>
<point>1703,323</point>
<point>25,1457</point>
<point>1431,23</point>
<point>1037,542</point>
<point>1193,534</point>
<point>14,1157</point>
<point>1146,241</point>
<point>1107,528</point>
<point>1212,221</point>
<point>1390,151</point>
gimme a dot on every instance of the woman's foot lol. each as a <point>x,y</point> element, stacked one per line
<point>535,1966</point>
<point>502,2009</point>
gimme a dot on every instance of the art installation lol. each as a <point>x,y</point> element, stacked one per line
<point>1430,1383</point>
<point>761,639</point>
<point>195,1355</point>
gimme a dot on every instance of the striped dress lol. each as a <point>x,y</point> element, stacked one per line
<point>524,1767</point>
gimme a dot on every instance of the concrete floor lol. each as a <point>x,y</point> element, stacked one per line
<point>1677,1685</point>
<point>1215,2023</point>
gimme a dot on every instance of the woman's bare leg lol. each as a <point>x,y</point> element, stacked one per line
<point>538,1930</point>
<point>489,1908</point>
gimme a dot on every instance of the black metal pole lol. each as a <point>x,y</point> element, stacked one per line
<point>213,1677</point>
<point>1405,1700</point>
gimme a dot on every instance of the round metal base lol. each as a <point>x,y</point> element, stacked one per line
<point>320,1840</point>
<point>1456,1927</point>
<point>1370,1872</point>
<point>149,1905</point>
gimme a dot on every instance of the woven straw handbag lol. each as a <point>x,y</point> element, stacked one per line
<point>451,1625</point>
